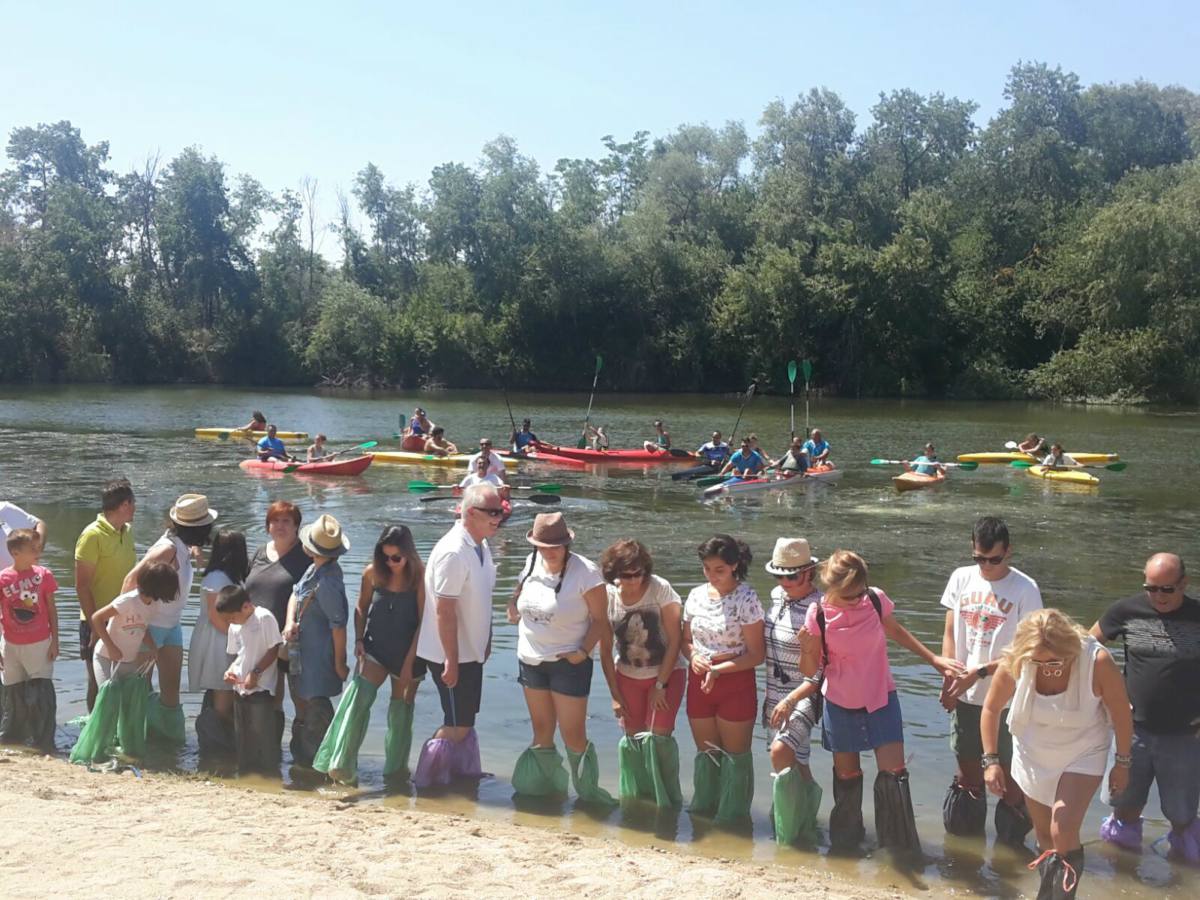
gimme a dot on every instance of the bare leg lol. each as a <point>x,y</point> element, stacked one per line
<point>541,717</point>
<point>571,713</point>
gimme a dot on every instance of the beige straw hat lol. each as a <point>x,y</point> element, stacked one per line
<point>191,510</point>
<point>324,537</point>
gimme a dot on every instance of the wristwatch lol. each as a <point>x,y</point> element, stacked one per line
<point>256,670</point>
<point>1125,761</point>
<point>659,685</point>
<point>990,759</point>
<point>982,672</point>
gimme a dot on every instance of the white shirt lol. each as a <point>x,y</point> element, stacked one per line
<point>11,518</point>
<point>554,624</point>
<point>250,642</point>
<point>455,573</point>
<point>495,463</point>
<point>986,615</point>
<point>639,638</point>
<point>490,478</point>
<point>128,626</point>
<point>168,615</point>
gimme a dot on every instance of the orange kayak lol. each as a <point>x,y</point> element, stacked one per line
<point>912,481</point>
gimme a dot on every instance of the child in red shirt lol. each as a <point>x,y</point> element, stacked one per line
<point>28,644</point>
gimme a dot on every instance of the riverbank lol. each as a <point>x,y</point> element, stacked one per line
<point>179,836</point>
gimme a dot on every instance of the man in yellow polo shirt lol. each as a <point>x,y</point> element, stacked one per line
<point>104,554</point>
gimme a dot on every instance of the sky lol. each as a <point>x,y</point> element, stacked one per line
<point>282,91</point>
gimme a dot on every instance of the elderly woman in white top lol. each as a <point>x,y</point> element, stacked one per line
<point>1067,700</point>
<point>561,608</point>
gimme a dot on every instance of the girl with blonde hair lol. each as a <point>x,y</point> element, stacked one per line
<point>1067,699</point>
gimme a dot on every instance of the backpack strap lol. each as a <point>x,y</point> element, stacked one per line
<point>876,602</point>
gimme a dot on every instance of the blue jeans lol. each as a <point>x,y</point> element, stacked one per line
<point>1173,760</point>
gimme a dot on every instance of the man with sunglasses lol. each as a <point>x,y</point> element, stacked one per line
<point>1160,628</point>
<point>495,460</point>
<point>984,604</point>
<point>456,634</point>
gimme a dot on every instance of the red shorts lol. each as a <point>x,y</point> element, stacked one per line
<point>733,698</point>
<point>639,714</point>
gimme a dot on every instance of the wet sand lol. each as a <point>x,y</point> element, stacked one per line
<point>72,832</point>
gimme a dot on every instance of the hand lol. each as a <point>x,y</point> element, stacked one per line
<point>406,677</point>
<point>230,676</point>
<point>658,698</point>
<point>450,674</point>
<point>618,708</point>
<point>513,615</point>
<point>810,644</point>
<point>291,632</point>
<point>575,657</point>
<point>342,670</point>
<point>781,712</point>
<point>250,682</point>
<point>52,652</point>
<point>948,666</point>
<point>993,775</point>
<point>710,681</point>
<point>359,650</point>
<point>1118,780</point>
<point>953,689</point>
<point>700,663</point>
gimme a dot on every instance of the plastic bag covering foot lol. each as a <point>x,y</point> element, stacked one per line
<point>397,744</point>
<point>540,772</point>
<point>585,773</point>
<point>794,805</point>
<point>338,754</point>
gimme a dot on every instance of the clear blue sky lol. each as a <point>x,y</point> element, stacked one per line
<point>284,90</point>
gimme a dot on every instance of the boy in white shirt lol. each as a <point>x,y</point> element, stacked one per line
<point>254,639</point>
<point>985,602</point>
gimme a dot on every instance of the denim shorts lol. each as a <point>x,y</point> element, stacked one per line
<point>1173,760</point>
<point>171,636</point>
<point>558,676</point>
<point>855,730</point>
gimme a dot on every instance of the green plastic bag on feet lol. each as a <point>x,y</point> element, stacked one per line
<point>585,772</point>
<point>539,772</point>
<point>633,779</point>
<point>661,753</point>
<point>132,724</point>
<point>737,788</point>
<point>397,744</point>
<point>337,756</point>
<point>795,803</point>
<point>706,783</point>
<point>164,723</point>
<point>100,732</point>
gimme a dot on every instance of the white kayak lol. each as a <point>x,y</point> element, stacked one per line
<point>817,474</point>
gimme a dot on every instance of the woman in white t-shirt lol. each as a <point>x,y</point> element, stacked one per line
<point>208,659</point>
<point>561,609</point>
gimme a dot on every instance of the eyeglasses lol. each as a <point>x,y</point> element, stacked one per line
<point>492,512</point>
<point>790,576</point>
<point>1160,588</point>
<point>631,575</point>
<point>485,444</point>
<point>394,557</point>
<point>990,560</point>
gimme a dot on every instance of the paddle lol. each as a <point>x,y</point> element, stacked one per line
<point>808,370</point>
<point>367,446</point>
<point>504,388</point>
<point>588,418</point>
<point>540,499</point>
<point>430,486</point>
<point>1112,467</point>
<point>966,466</point>
<point>791,370</point>
<point>749,393</point>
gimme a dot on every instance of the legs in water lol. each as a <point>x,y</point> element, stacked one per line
<point>398,742</point>
<point>164,715</point>
<point>724,772</point>
<point>1058,833</point>
<point>846,829</point>
<point>571,716</point>
<point>338,754</point>
<point>795,798</point>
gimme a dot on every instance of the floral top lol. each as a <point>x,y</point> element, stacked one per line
<point>716,622</point>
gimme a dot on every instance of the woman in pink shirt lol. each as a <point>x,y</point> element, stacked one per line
<point>849,630</point>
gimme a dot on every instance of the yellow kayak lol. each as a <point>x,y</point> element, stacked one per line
<point>1005,457</point>
<point>404,458</point>
<point>1070,476</point>
<point>226,433</point>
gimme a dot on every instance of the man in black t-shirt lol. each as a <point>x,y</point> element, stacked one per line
<point>1160,627</point>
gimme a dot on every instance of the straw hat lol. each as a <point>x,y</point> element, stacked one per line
<point>550,530</point>
<point>324,537</point>
<point>790,555</point>
<point>191,510</point>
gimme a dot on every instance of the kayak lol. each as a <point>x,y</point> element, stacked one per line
<point>544,457</point>
<point>331,467</point>
<point>914,481</point>
<point>748,485</point>
<point>1010,456</point>
<point>239,433</point>
<point>1067,476</point>
<point>404,458</point>
<point>615,456</point>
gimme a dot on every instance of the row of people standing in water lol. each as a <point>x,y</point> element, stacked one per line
<point>825,655</point>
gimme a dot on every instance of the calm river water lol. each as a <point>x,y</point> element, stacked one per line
<point>1084,547</point>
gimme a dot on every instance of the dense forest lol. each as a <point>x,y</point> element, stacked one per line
<point>1053,252</point>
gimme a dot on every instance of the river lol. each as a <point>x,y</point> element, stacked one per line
<point>1085,547</point>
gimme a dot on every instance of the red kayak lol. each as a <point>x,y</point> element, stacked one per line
<point>544,457</point>
<point>617,456</point>
<point>333,467</point>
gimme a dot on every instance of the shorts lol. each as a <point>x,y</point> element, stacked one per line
<point>856,730</point>
<point>557,676</point>
<point>640,715</point>
<point>733,698</point>
<point>1173,760</point>
<point>25,662</point>
<point>105,669</point>
<point>796,733</point>
<point>168,636</point>
<point>85,640</point>
<point>965,739</point>
<point>460,704</point>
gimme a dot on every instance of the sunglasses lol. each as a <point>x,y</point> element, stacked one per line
<point>492,512</point>
<point>394,557</point>
<point>1160,588</point>
<point>631,575</point>
<point>990,560</point>
<point>486,444</point>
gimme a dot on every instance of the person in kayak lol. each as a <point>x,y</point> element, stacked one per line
<point>1033,444</point>
<point>817,448</point>
<point>418,430</point>
<point>271,447</point>
<point>746,462</point>
<point>597,437</point>
<point>317,450</point>
<point>480,474</point>
<point>258,422</point>
<point>495,462</point>
<point>794,461</point>
<point>524,438</point>
<point>1058,459</point>
<point>927,463</point>
<point>437,445</point>
<point>661,442</point>
<point>715,452</point>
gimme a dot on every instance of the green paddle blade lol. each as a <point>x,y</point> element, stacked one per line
<point>291,468</point>
<point>581,444</point>
<point>807,371</point>
<point>1117,467</point>
<point>547,488</point>
<point>599,363</point>
<point>792,371</point>
<point>424,486</point>
<point>968,466</point>
<point>368,445</point>
<point>1022,464</point>
<point>881,462</point>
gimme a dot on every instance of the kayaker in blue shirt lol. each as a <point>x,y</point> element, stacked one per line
<point>746,463</point>
<point>272,447</point>
<point>523,439</point>
<point>927,463</point>
<point>817,448</point>
<point>714,452</point>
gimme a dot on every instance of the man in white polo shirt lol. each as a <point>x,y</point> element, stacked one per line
<point>456,635</point>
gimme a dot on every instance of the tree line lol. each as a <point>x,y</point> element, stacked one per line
<point>1052,253</point>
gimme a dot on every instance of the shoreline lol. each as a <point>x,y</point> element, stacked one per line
<point>181,836</point>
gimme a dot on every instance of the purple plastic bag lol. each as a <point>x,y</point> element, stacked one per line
<point>434,766</point>
<point>464,757</point>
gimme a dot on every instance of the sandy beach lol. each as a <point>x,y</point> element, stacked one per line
<point>85,834</point>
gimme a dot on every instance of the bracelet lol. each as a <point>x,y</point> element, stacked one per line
<point>990,759</point>
<point>1125,761</point>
